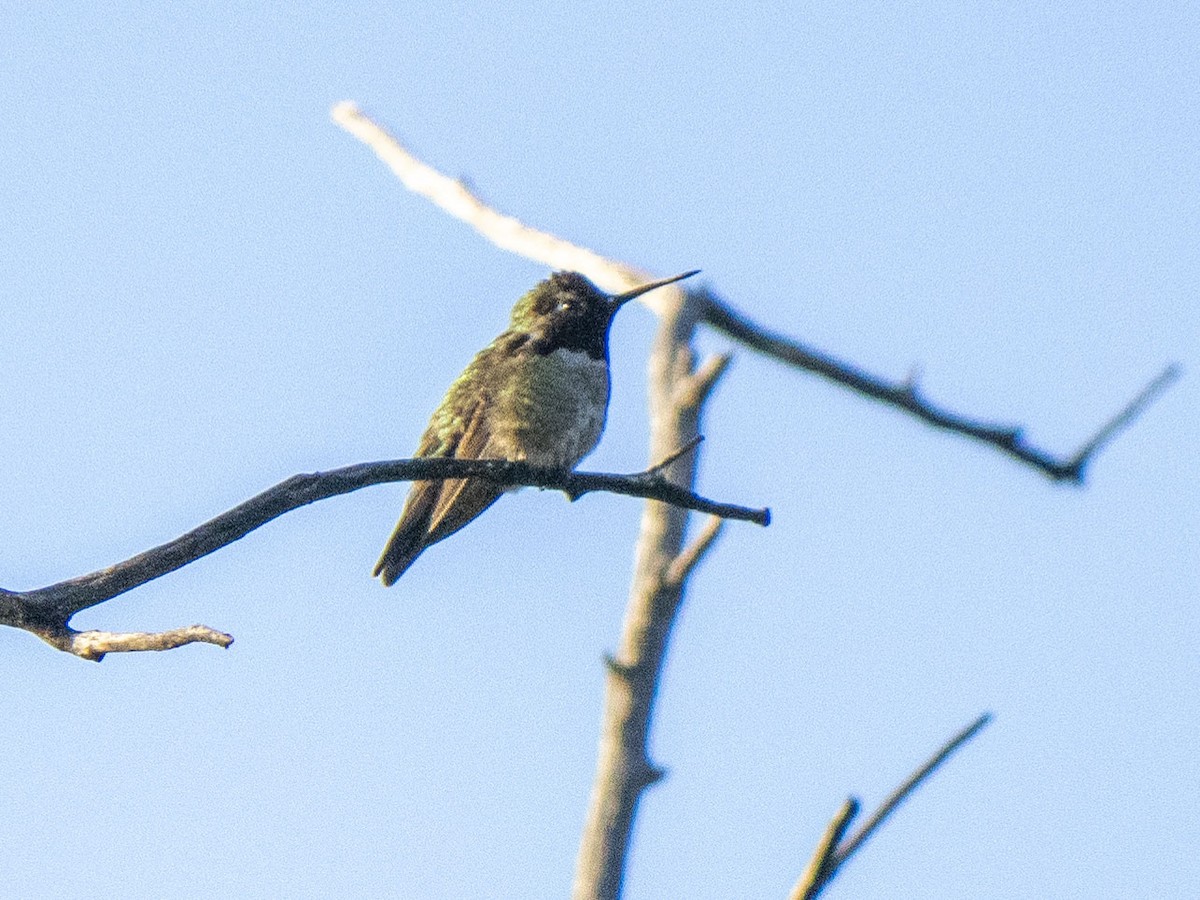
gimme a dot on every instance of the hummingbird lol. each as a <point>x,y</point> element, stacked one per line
<point>538,393</point>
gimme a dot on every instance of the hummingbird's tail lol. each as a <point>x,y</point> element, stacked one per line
<point>433,512</point>
<point>397,557</point>
<point>411,534</point>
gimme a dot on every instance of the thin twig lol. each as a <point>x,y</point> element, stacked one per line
<point>696,390</point>
<point>906,396</point>
<point>663,464</point>
<point>683,565</point>
<point>902,793</point>
<point>1124,418</point>
<point>832,853</point>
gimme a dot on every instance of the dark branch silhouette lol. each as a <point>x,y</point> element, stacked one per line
<point>832,852</point>
<point>47,611</point>
<point>905,395</point>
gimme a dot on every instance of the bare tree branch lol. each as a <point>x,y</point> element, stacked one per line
<point>904,791</point>
<point>1078,463</point>
<point>506,232</point>
<point>663,464</point>
<point>47,611</point>
<point>906,396</point>
<point>94,645</point>
<point>832,852</point>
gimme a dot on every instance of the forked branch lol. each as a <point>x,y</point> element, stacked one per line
<point>832,852</point>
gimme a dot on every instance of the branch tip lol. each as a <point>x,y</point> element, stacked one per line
<point>835,848</point>
<point>457,200</point>
<point>652,775</point>
<point>1076,467</point>
<point>95,645</point>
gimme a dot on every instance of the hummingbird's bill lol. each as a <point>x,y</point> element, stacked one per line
<point>619,300</point>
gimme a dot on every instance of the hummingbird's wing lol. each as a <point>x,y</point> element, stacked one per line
<point>436,509</point>
<point>462,499</point>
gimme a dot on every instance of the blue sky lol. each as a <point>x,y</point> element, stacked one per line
<point>209,287</point>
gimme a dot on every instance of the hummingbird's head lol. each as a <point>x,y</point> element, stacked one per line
<point>567,311</point>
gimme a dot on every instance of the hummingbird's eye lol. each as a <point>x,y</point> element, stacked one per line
<point>563,306</point>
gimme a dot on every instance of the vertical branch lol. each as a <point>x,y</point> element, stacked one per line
<point>624,768</point>
<point>677,394</point>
